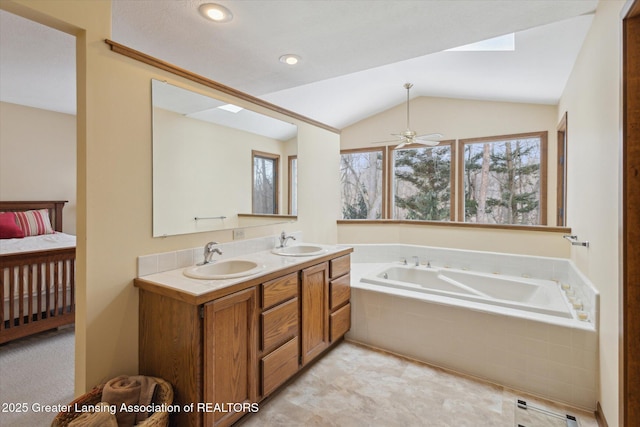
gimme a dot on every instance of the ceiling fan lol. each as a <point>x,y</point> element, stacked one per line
<point>409,136</point>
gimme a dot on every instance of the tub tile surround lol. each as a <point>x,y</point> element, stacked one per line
<point>553,358</point>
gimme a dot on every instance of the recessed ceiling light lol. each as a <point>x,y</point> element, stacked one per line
<point>290,59</point>
<point>215,12</point>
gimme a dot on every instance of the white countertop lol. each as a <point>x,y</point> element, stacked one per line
<point>175,279</point>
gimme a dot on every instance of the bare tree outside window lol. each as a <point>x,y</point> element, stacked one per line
<point>503,180</point>
<point>361,179</point>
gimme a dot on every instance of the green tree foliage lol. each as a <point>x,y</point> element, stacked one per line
<point>423,183</point>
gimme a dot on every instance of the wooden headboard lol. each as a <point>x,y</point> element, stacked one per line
<point>54,207</point>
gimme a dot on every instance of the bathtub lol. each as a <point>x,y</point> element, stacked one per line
<point>533,295</point>
<point>527,323</point>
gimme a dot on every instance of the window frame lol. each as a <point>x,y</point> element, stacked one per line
<point>276,180</point>
<point>561,177</point>
<point>543,135</point>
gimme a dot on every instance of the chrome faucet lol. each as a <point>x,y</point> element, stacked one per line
<point>209,249</point>
<point>417,259</point>
<point>284,239</point>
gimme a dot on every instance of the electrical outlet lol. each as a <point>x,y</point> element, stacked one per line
<point>238,234</point>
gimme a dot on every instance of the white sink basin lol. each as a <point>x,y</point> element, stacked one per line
<point>299,250</point>
<point>228,269</point>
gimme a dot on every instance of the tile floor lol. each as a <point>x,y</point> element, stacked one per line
<point>355,386</point>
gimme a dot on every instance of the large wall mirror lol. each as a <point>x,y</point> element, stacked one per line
<point>217,166</point>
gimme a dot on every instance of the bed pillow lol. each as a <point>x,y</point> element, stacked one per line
<point>35,223</point>
<point>9,228</point>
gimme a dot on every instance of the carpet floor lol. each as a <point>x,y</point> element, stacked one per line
<point>34,372</point>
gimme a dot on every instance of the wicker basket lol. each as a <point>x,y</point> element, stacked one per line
<point>163,394</point>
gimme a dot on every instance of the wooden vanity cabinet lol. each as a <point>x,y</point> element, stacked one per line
<point>240,345</point>
<point>230,354</point>
<point>339,296</point>
<point>315,311</point>
<point>280,328</point>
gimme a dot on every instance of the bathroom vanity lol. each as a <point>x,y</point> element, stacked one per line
<point>226,345</point>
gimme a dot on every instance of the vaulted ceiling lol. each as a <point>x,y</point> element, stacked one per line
<point>355,54</point>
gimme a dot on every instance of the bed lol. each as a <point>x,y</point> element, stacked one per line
<point>37,273</point>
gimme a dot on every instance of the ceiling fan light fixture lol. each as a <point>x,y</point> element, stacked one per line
<point>290,59</point>
<point>215,12</point>
<point>409,136</point>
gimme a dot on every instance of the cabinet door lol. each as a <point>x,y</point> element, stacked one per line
<point>230,354</point>
<point>315,311</point>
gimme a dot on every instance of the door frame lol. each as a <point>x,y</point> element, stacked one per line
<point>630,286</point>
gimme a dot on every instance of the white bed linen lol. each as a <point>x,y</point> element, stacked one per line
<point>37,243</point>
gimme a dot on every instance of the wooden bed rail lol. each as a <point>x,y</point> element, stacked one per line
<point>37,292</point>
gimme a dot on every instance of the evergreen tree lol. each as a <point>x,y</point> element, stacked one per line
<point>423,183</point>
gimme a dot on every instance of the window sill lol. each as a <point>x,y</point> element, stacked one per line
<point>543,228</point>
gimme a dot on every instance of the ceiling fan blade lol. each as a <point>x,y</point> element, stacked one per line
<point>426,142</point>
<point>431,136</point>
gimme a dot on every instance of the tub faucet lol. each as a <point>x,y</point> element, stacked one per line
<point>284,239</point>
<point>417,259</point>
<point>209,249</point>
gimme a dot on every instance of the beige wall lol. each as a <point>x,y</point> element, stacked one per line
<point>592,101</point>
<point>38,157</point>
<point>460,119</point>
<point>114,186</point>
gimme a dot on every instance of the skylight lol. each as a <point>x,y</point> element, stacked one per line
<point>496,44</point>
<point>230,107</point>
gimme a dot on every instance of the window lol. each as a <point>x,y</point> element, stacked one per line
<point>362,184</point>
<point>490,180</point>
<point>422,180</point>
<point>504,179</point>
<point>265,182</point>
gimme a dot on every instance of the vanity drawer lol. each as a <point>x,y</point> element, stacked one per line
<point>340,322</point>
<point>340,291</point>
<point>279,324</point>
<point>339,266</point>
<point>278,290</point>
<point>279,366</point>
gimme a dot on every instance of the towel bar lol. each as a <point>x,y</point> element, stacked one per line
<point>574,240</point>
